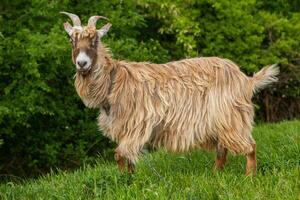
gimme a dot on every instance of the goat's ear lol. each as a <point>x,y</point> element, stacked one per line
<point>68,28</point>
<point>101,32</point>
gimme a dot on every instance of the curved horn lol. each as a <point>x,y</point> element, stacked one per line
<point>75,19</point>
<point>93,20</point>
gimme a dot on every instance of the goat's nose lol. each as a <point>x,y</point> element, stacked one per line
<point>81,63</point>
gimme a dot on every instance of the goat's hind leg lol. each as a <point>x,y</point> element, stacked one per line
<point>221,157</point>
<point>251,162</point>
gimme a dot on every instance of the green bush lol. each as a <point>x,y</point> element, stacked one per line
<point>252,33</point>
<point>44,124</point>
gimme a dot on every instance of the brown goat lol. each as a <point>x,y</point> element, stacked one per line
<point>192,103</point>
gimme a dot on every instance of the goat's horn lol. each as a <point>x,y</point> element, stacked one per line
<point>75,19</point>
<point>93,20</point>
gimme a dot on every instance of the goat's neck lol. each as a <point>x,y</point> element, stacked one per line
<point>94,87</point>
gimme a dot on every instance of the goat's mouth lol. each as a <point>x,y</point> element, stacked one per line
<point>84,71</point>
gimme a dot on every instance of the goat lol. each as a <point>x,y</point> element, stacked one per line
<point>193,103</point>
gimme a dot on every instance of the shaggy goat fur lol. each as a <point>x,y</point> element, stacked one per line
<point>192,103</point>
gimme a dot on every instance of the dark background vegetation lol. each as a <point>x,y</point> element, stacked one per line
<point>43,123</point>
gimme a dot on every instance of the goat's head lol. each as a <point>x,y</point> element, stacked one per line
<point>85,40</point>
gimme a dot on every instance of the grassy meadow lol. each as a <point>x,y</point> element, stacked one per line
<point>161,175</point>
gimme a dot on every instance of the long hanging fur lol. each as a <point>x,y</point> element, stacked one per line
<point>191,103</point>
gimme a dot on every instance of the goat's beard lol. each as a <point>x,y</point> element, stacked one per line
<point>93,87</point>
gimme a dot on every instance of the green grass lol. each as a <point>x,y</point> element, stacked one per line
<point>161,175</point>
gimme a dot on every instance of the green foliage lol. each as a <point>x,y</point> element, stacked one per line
<point>44,124</point>
<point>161,175</point>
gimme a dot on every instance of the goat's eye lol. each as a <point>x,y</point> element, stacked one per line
<point>94,42</point>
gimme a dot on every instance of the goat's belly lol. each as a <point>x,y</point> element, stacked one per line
<point>174,141</point>
<point>168,138</point>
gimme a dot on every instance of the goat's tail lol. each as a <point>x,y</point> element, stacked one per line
<point>264,77</point>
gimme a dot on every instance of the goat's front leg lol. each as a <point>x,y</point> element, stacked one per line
<point>120,161</point>
<point>121,157</point>
<point>221,157</point>
<point>130,145</point>
<point>131,167</point>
